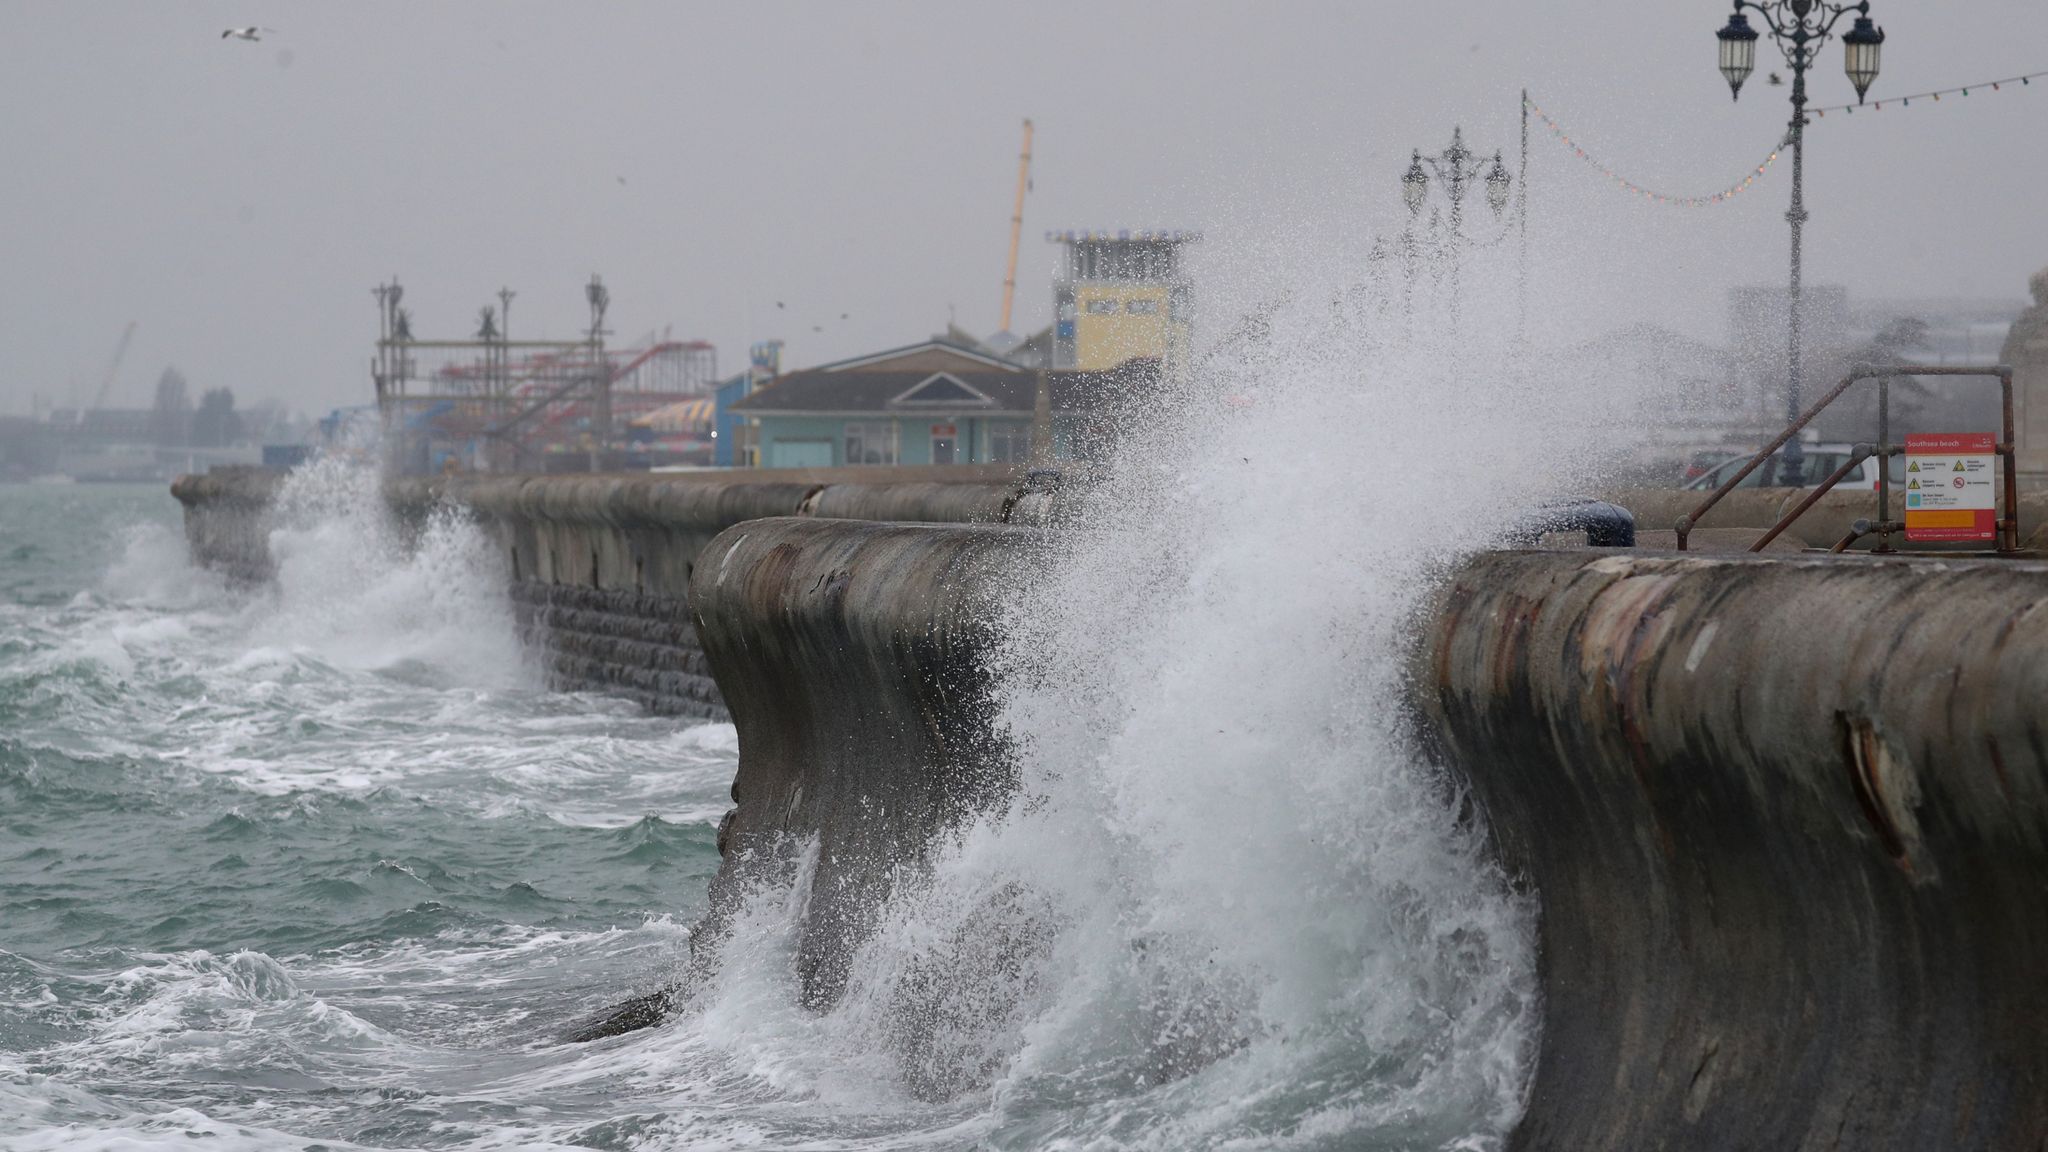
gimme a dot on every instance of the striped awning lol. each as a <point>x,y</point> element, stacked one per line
<point>682,416</point>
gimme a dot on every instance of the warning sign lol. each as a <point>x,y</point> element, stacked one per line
<point>1950,494</point>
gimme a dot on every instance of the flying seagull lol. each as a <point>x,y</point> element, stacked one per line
<point>252,33</point>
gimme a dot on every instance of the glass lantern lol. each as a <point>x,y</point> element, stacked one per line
<point>1415,185</point>
<point>1497,181</point>
<point>1860,46</point>
<point>1738,52</point>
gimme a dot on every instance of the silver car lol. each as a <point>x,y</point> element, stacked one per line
<point>1820,462</point>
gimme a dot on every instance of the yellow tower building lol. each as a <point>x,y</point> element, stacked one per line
<point>1121,295</point>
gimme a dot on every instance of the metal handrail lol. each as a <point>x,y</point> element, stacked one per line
<point>1861,453</point>
<point>2008,526</point>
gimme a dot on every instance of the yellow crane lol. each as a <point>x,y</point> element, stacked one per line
<point>1016,227</point>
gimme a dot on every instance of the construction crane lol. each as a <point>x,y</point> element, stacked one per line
<point>99,400</point>
<point>1017,227</point>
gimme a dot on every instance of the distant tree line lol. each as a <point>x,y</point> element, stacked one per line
<point>215,424</point>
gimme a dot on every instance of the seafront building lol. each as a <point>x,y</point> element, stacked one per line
<point>1122,296</point>
<point>1122,318</point>
<point>939,403</point>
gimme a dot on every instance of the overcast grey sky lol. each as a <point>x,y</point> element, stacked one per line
<point>239,200</point>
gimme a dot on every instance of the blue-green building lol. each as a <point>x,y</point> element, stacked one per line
<point>933,403</point>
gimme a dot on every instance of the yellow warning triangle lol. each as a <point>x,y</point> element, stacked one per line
<point>1959,465</point>
<point>1913,467</point>
<point>1914,484</point>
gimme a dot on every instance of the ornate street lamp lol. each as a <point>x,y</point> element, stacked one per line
<point>1799,27</point>
<point>1456,168</point>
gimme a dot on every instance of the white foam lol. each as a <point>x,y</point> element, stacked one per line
<point>355,591</point>
<point>1234,905</point>
<point>155,569</point>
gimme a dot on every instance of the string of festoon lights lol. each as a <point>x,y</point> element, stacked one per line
<point>1932,96</point>
<point>1925,98</point>
<point>1728,193</point>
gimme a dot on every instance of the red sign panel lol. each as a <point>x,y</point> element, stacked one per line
<point>1950,491</point>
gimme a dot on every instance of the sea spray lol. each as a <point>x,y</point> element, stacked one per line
<point>1229,903</point>
<point>1232,901</point>
<point>357,587</point>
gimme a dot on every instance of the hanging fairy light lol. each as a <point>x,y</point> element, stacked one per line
<point>1558,132</point>
<point>2000,85</point>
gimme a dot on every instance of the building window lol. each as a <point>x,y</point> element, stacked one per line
<point>1102,307</point>
<point>1142,307</point>
<point>1009,443</point>
<point>871,442</point>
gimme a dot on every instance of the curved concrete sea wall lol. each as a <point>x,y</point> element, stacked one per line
<point>600,570</point>
<point>1788,823</point>
<point>1787,819</point>
<point>600,565</point>
<point>852,656</point>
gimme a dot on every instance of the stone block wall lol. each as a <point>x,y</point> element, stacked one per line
<point>625,643</point>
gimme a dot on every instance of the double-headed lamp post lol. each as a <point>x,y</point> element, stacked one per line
<point>1456,167</point>
<point>1799,27</point>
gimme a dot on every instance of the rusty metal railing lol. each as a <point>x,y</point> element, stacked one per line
<point>2008,525</point>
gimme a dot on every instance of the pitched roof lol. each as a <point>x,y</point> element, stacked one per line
<point>935,355</point>
<point>823,391</point>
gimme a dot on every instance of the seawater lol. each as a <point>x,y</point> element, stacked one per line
<point>322,864</point>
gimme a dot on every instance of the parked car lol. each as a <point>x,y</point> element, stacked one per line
<point>1821,460</point>
<point>1704,461</point>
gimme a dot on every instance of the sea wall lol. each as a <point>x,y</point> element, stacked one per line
<point>599,566</point>
<point>634,536</point>
<point>1786,819</point>
<point>852,656</point>
<point>1788,823</point>
<point>228,519</point>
